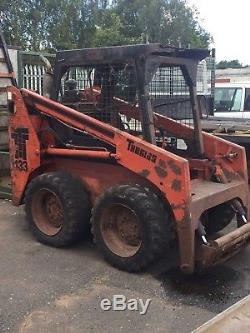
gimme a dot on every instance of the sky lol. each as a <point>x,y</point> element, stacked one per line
<point>228,23</point>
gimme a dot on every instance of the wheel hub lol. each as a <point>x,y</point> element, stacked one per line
<point>54,210</point>
<point>128,229</point>
<point>47,211</point>
<point>120,230</point>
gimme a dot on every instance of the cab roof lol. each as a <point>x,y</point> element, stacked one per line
<point>126,53</point>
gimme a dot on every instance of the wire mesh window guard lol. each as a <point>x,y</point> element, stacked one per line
<point>170,95</point>
<point>101,91</point>
<point>109,92</point>
<point>105,91</point>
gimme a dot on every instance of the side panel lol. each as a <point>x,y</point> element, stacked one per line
<point>24,148</point>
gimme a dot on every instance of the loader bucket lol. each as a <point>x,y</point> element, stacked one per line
<point>223,248</point>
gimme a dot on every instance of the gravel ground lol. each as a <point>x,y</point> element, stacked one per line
<point>43,289</point>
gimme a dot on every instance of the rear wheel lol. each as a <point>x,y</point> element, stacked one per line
<point>57,209</point>
<point>131,227</point>
<point>217,218</point>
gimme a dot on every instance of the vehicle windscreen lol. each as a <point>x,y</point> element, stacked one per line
<point>227,99</point>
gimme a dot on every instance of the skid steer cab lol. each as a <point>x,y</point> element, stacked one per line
<point>119,146</point>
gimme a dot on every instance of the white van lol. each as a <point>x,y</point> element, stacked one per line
<point>232,100</point>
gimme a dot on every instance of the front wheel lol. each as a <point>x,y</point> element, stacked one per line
<point>131,227</point>
<point>57,208</point>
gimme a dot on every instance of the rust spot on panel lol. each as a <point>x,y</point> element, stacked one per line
<point>174,167</point>
<point>176,185</point>
<point>181,212</point>
<point>163,164</point>
<point>230,175</point>
<point>179,206</point>
<point>161,169</point>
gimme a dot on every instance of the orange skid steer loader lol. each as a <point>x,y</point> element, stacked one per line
<point>119,146</point>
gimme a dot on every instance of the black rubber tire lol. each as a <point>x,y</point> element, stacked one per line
<point>153,219</point>
<point>76,208</point>
<point>218,218</point>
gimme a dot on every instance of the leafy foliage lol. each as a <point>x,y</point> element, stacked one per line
<point>229,64</point>
<point>171,21</point>
<point>65,24</point>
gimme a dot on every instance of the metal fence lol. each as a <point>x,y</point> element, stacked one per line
<point>31,70</point>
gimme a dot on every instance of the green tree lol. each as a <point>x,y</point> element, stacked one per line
<point>109,33</point>
<point>229,64</point>
<point>165,21</point>
<point>65,24</point>
<point>47,24</point>
<point>12,18</point>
